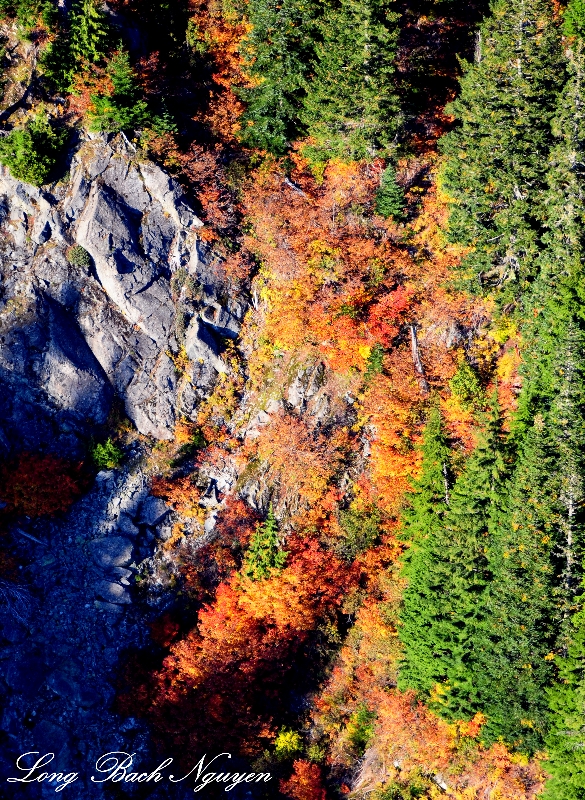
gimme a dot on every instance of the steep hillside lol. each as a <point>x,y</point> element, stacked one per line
<point>291,399</point>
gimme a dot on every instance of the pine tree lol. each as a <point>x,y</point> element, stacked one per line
<point>279,50</point>
<point>496,160</point>
<point>351,108</point>
<point>566,740</point>
<point>422,526</point>
<point>264,555</point>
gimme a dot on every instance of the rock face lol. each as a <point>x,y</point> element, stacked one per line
<point>74,336</point>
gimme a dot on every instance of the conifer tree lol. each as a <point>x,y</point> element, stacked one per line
<point>422,526</point>
<point>566,740</point>
<point>279,50</point>
<point>513,662</point>
<point>477,511</point>
<point>89,34</point>
<point>390,200</point>
<point>264,555</point>
<point>497,158</point>
<point>450,574</point>
<point>351,108</point>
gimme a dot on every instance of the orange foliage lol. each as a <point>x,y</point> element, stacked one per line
<point>409,735</point>
<point>221,685</point>
<point>35,485</point>
<point>181,493</point>
<point>299,461</point>
<point>305,783</point>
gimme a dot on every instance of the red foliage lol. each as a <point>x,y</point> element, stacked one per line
<point>35,485</point>
<point>305,783</point>
<point>222,684</point>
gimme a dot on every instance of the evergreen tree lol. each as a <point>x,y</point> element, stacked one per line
<point>79,40</point>
<point>351,108</point>
<point>512,663</point>
<point>574,18</point>
<point>444,605</point>
<point>537,560</point>
<point>566,740</point>
<point>264,555</point>
<point>390,200</point>
<point>279,50</point>
<point>497,158</point>
<point>422,526</point>
<point>89,32</point>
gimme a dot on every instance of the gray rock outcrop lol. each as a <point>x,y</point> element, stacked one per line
<point>74,335</point>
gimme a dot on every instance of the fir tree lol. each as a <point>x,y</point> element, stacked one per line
<point>450,575</point>
<point>566,740</point>
<point>264,555</point>
<point>351,108</point>
<point>497,158</point>
<point>390,200</point>
<point>514,665</point>
<point>476,513</point>
<point>89,33</point>
<point>279,50</point>
<point>422,526</point>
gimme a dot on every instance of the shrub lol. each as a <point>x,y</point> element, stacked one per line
<point>465,385</point>
<point>31,153</point>
<point>574,18</point>
<point>79,257</point>
<point>107,455</point>
<point>361,529</point>
<point>34,485</point>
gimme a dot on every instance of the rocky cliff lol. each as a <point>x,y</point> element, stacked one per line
<point>106,286</point>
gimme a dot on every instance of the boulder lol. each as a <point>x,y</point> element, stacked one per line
<point>112,551</point>
<point>153,511</point>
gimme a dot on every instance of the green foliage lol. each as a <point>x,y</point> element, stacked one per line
<point>279,50</point>
<point>123,110</point>
<point>360,729</point>
<point>79,257</point>
<point>106,455</point>
<point>89,32</point>
<point>465,385</point>
<point>390,200</point>
<point>497,157</point>
<point>80,40</point>
<point>351,109</point>
<point>264,555</point>
<point>361,529</point>
<point>423,521</point>
<point>574,18</point>
<point>375,362</point>
<point>565,743</point>
<point>31,153</point>
<point>30,14</point>
<point>444,604</point>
